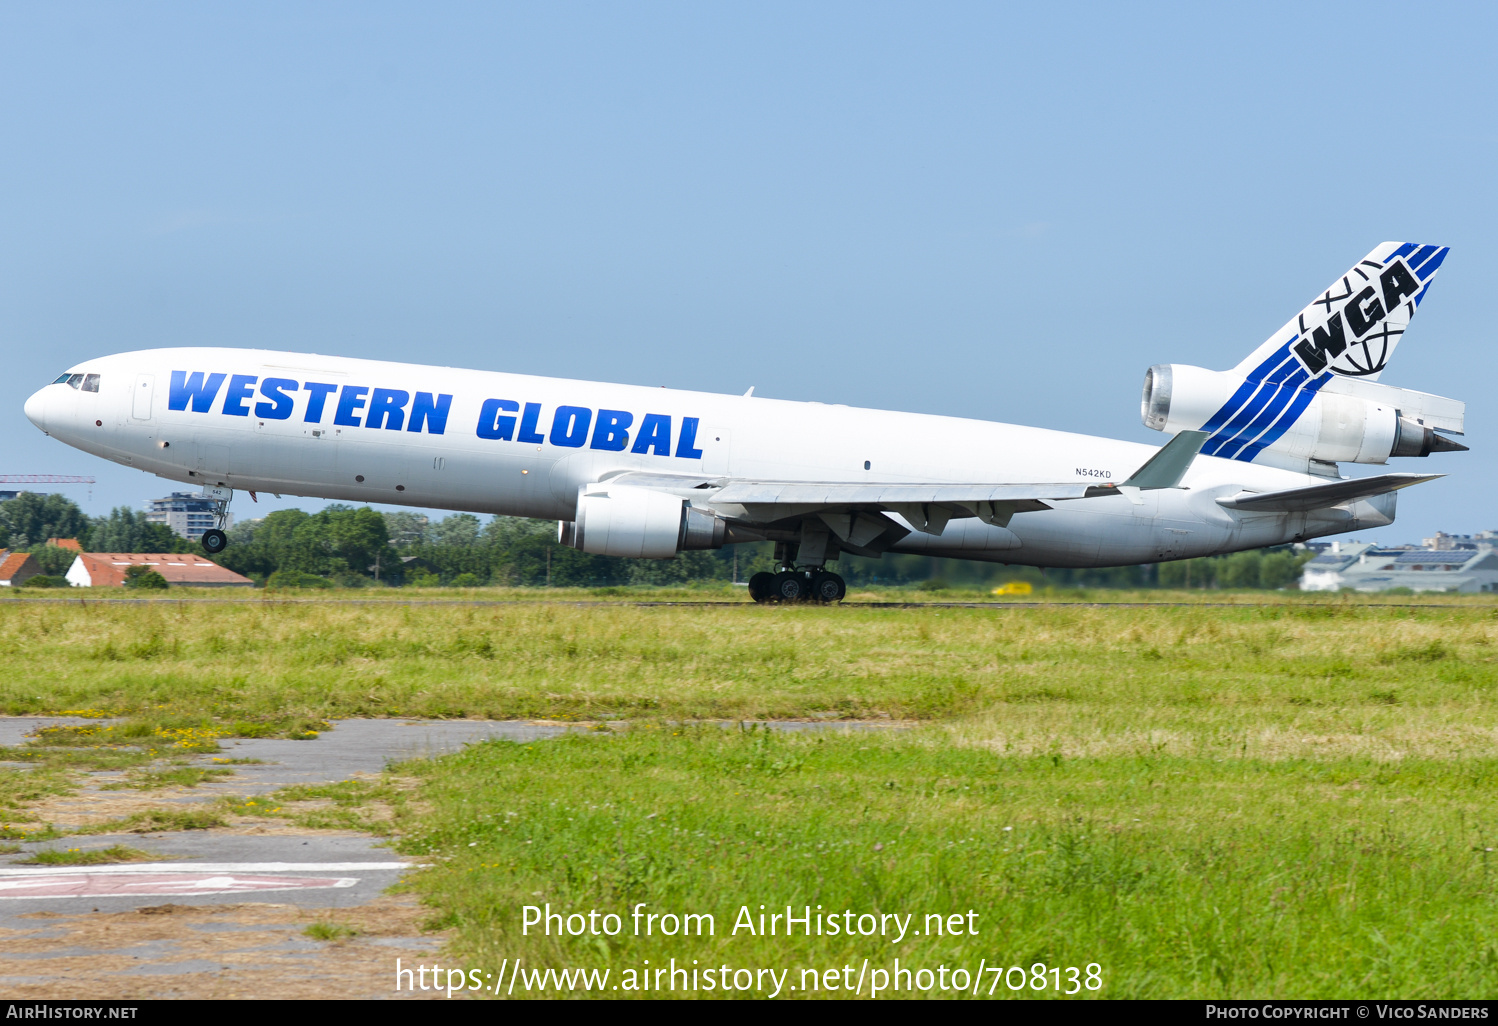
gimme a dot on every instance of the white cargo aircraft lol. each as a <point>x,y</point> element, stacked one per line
<point>649,472</point>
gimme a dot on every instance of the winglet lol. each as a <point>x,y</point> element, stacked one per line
<point>1166,468</point>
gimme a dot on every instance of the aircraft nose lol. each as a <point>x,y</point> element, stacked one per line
<point>36,409</point>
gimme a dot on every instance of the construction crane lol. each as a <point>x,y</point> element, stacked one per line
<point>44,479</point>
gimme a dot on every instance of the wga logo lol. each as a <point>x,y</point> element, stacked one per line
<point>1358,329</point>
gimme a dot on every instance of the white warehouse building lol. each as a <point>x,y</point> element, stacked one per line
<point>1364,567</point>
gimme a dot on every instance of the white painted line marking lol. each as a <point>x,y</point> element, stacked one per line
<point>134,885</point>
<point>213,867</point>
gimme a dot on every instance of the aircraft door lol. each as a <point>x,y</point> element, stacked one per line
<point>212,460</point>
<point>716,443</point>
<point>145,385</point>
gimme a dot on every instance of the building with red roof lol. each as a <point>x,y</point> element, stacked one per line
<point>16,568</point>
<point>107,570</point>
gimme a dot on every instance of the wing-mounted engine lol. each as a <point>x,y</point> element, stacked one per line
<point>1331,419</point>
<point>639,522</point>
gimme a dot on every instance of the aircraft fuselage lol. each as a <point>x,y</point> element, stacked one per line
<point>488,442</point>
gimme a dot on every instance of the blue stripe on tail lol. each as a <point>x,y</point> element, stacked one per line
<point>1421,255</point>
<point>1245,404</point>
<point>1303,399</point>
<point>1269,416</point>
<point>1425,270</point>
<point>1267,391</point>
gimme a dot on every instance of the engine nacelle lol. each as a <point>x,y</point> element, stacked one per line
<point>640,523</point>
<point>1347,420</point>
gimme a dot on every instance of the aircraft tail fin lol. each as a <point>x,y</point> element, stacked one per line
<point>1351,329</point>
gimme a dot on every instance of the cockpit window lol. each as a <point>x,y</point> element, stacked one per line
<point>85,382</point>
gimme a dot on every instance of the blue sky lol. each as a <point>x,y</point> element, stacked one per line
<point>1005,212</point>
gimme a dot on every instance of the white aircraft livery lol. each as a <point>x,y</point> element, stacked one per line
<point>650,472</point>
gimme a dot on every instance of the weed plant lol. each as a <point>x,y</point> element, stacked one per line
<point>177,776</point>
<point>155,821</point>
<point>88,856</point>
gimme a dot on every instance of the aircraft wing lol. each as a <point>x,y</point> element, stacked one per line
<point>1162,470</point>
<point>853,509</point>
<point>1301,500</point>
<point>926,506</point>
<point>834,493</point>
<point>745,492</point>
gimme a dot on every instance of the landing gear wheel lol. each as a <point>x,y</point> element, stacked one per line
<point>827,586</point>
<point>761,586</point>
<point>790,586</point>
<point>214,541</point>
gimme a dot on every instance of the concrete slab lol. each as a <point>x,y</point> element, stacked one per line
<point>361,747</point>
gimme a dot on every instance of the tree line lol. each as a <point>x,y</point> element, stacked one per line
<point>344,546</point>
<point>29,520</point>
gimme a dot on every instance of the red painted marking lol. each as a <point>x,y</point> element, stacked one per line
<point>99,885</point>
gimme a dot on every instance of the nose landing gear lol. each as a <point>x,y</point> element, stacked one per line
<point>214,540</point>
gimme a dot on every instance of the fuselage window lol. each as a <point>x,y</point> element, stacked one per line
<point>91,382</point>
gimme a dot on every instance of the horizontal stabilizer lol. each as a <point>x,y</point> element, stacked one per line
<point>1301,500</point>
<point>1166,468</point>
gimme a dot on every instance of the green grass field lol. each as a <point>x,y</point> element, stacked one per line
<point>1282,798</point>
<point>285,665</point>
<point>1179,875</point>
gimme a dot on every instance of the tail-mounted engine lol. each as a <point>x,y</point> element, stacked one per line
<point>639,522</point>
<point>1342,420</point>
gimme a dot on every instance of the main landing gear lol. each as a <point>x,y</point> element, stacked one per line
<point>820,586</point>
<point>812,582</point>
